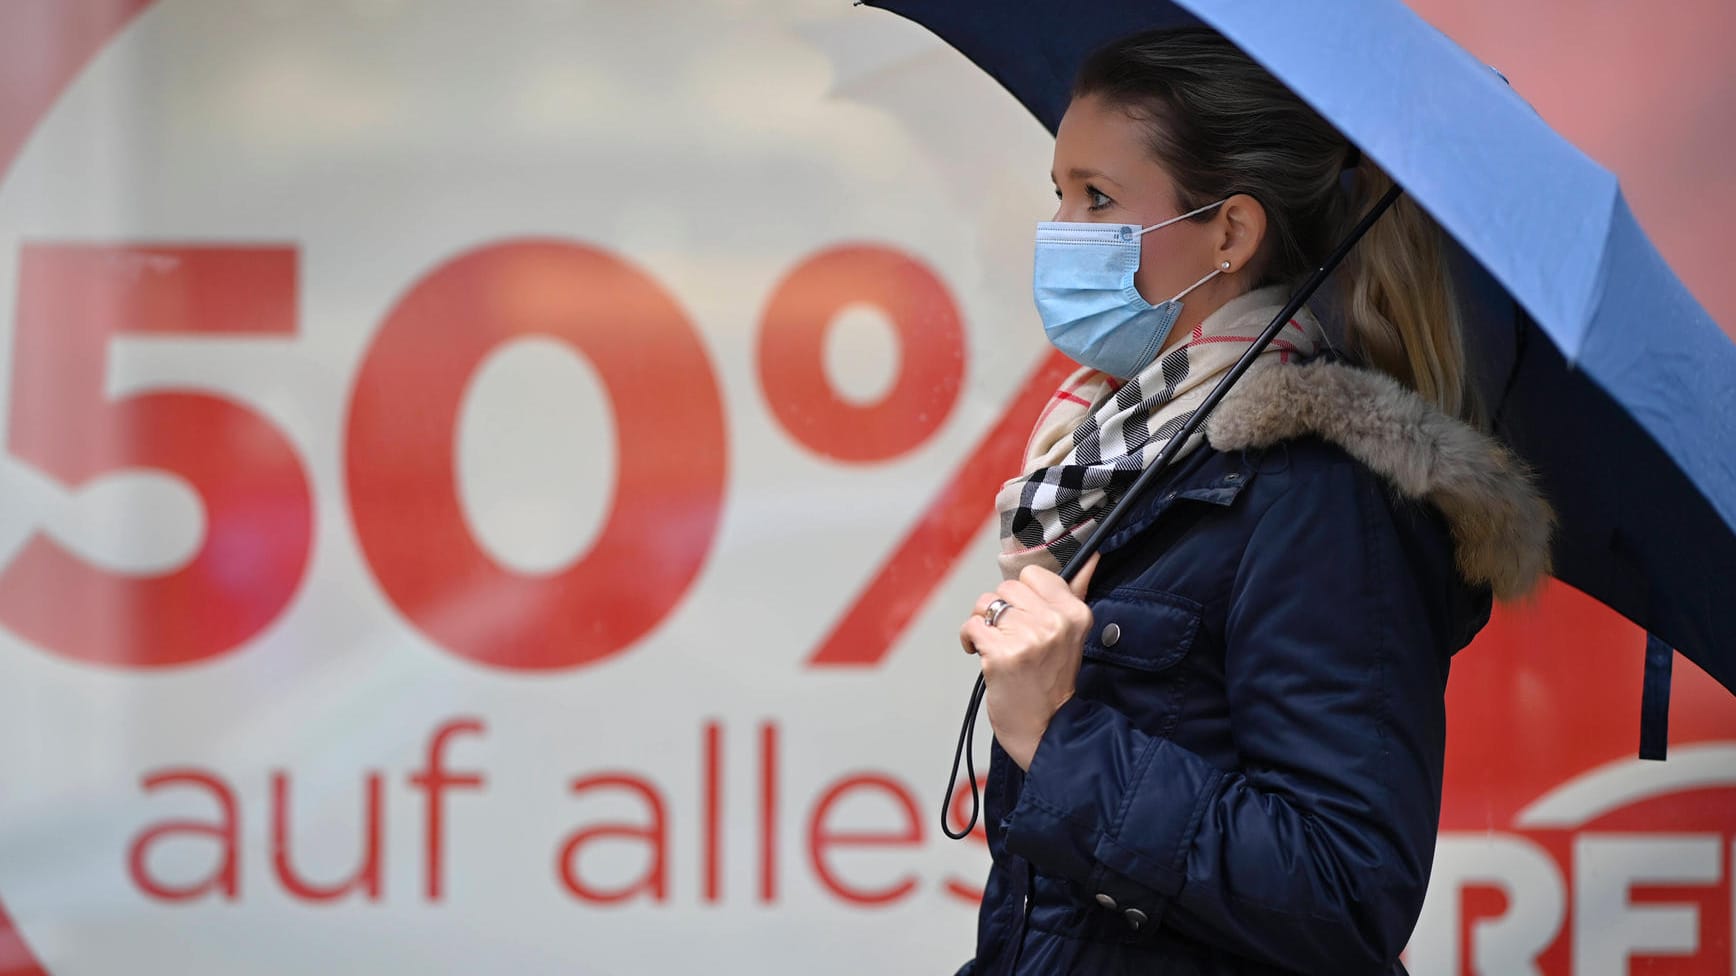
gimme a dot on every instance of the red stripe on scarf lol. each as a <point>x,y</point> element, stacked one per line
<point>1276,343</point>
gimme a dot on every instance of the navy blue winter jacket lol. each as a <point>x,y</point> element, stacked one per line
<point>1248,777</point>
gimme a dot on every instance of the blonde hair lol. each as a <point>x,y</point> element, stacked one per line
<point>1402,313</point>
<point>1220,124</point>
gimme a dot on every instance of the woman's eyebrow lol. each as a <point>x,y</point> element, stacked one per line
<point>1081,173</point>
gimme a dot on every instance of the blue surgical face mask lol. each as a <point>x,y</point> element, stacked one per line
<point>1083,284</point>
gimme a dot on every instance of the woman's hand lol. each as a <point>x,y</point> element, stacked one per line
<point>1031,657</point>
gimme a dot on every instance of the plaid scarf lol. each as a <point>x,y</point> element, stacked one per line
<point>1096,434</point>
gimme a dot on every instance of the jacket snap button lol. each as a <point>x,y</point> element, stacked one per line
<point>1106,901</point>
<point>1135,917</point>
<point>1111,637</point>
<point>1232,478</point>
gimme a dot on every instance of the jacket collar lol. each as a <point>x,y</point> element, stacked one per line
<point>1500,523</point>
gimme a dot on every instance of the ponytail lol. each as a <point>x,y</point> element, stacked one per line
<point>1401,313</point>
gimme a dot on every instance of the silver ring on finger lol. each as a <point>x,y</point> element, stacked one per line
<point>992,613</point>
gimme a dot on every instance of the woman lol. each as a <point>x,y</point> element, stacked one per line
<point>1220,749</point>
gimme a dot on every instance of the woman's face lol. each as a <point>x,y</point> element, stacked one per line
<point>1103,172</point>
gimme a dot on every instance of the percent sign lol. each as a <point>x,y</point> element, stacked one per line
<point>926,321</point>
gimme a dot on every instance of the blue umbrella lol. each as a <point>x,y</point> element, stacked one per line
<point>1605,374</point>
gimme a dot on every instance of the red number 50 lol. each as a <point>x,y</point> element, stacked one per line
<point>400,450</point>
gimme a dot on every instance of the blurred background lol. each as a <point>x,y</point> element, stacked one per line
<point>489,487</point>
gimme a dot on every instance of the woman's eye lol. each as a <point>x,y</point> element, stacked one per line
<point>1097,199</point>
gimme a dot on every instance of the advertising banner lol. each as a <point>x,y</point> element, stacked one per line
<point>492,487</point>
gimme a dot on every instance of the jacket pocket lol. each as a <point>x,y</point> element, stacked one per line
<point>1147,630</point>
<point>1134,655</point>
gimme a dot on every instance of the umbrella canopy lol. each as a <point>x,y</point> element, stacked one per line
<point>1602,370</point>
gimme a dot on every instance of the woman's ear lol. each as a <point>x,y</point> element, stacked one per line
<point>1242,226</point>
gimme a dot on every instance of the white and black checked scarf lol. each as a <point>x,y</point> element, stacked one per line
<point>1096,434</point>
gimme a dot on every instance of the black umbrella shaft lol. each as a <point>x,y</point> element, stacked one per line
<point>1148,477</point>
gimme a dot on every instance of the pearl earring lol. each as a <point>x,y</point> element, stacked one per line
<point>1226,265</point>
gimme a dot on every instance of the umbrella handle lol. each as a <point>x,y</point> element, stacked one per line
<point>1111,520</point>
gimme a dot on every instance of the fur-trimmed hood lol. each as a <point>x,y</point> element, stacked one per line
<point>1501,524</point>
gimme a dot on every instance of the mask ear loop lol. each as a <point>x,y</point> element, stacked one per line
<point>1209,276</point>
<point>1191,213</point>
